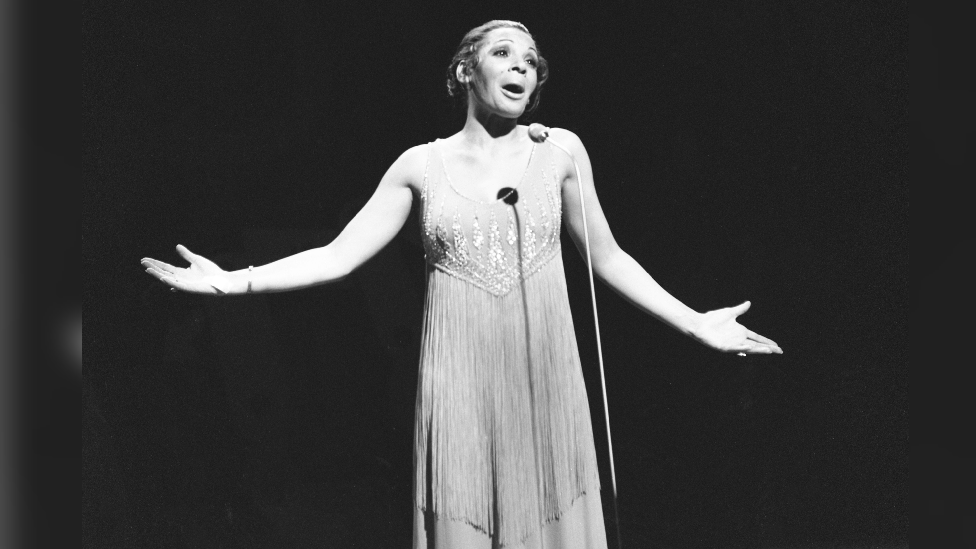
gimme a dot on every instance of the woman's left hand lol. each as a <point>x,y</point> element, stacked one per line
<point>720,330</point>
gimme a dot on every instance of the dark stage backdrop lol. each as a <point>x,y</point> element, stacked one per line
<point>742,150</point>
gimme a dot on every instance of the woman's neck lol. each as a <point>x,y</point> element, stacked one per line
<point>486,130</point>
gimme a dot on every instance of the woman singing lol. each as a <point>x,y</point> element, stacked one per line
<point>504,453</point>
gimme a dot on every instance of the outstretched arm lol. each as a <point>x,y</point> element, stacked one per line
<point>366,234</point>
<point>717,329</point>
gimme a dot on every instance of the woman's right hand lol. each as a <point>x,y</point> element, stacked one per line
<point>201,277</point>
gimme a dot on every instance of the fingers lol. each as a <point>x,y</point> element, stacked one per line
<point>757,350</point>
<point>187,254</point>
<point>176,277</point>
<point>158,274</point>
<point>160,266</point>
<point>764,348</point>
<point>765,341</point>
<point>755,343</point>
<point>197,260</point>
<point>741,308</point>
<point>753,348</point>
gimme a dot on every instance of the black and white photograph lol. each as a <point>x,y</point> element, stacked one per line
<point>539,276</point>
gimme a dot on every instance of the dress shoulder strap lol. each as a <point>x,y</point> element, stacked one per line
<point>430,186</point>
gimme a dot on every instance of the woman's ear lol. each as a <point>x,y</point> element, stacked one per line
<point>462,74</point>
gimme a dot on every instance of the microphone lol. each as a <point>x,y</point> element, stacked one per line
<point>539,134</point>
<point>508,195</point>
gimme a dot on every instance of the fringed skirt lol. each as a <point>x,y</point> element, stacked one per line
<point>504,452</point>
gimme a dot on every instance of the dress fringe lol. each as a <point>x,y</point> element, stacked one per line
<point>502,411</point>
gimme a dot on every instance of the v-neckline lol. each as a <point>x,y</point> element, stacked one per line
<point>457,191</point>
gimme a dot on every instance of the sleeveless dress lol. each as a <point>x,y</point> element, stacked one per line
<point>504,452</point>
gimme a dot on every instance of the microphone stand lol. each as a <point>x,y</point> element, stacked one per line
<point>544,136</point>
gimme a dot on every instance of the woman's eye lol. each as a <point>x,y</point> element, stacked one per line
<point>532,62</point>
<point>501,52</point>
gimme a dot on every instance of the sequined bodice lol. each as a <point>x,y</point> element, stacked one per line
<point>491,245</point>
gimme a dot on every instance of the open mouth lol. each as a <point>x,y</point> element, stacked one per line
<point>515,89</point>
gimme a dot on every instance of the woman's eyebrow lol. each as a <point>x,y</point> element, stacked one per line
<point>500,40</point>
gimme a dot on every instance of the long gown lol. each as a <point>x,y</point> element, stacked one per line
<point>504,452</point>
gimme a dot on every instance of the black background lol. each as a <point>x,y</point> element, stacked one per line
<point>742,150</point>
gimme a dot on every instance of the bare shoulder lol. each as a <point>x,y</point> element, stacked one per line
<point>571,142</point>
<point>566,138</point>
<point>408,170</point>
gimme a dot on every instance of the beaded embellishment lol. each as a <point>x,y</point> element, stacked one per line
<point>514,242</point>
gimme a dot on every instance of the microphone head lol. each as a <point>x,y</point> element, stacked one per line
<point>538,132</point>
<point>508,195</point>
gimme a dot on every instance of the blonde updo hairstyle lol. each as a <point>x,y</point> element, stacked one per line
<point>467,55</point>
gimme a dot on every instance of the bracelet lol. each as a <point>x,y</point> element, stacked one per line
<point>249,271</point>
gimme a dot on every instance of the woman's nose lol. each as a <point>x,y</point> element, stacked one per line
<point>519,66</point>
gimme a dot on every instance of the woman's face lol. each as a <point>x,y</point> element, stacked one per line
<point>506,75</point>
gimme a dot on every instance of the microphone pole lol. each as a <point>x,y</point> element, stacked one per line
<point>539,134</point>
